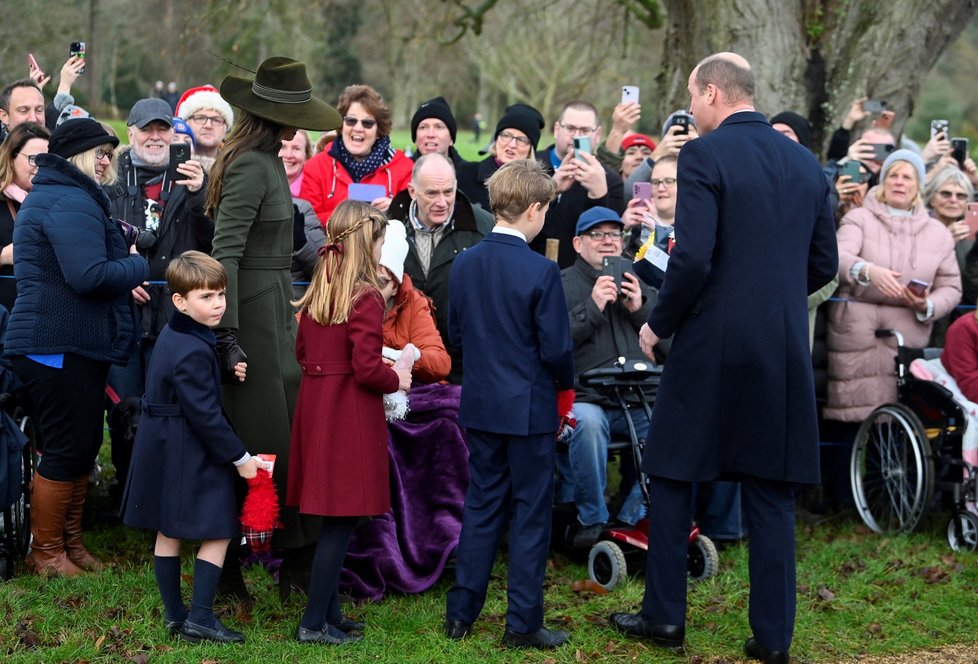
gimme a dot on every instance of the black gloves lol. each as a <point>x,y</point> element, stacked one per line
<point>229,353</point>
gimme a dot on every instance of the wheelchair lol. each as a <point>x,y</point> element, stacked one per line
<point>635,382</point>
<point>906,455</point>
<point>18,440</point>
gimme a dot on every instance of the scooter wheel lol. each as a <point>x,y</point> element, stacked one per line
<point>606,564</point>
<point>702,559</point>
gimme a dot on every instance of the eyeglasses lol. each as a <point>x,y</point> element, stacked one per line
<point>367,123</point>
<point>598,236</point>
<point>664,182</point>
<point>104,154</point>
<point>215,120</point>
<point>577,131</point>
<point>32,158</point>
<point>507,137</point>
<point>947,195</point>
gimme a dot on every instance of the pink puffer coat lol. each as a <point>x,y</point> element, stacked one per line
<point>861,367</point>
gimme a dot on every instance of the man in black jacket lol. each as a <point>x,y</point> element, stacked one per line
<point>582,181</point>
<point>168,214</point>
<point>440,224</point>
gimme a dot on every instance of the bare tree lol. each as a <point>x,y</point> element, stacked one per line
<point>815,56</point>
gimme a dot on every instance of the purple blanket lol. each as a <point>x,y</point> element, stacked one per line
<point>406,549</point>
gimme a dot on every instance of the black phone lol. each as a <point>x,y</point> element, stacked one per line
<point>77,48</point>
<point>179,153</point>
<point>616,266</point>
<point>959,150</point>
<point>882,150</point>
<point>681,121</point>
<point>874,106</point>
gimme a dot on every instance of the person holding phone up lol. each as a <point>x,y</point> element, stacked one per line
<point>897,270</point>
<point>164,203</point>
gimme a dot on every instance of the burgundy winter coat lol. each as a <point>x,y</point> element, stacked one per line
<point>338,457</point>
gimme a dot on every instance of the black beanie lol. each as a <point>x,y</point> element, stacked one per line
<point>525,118</point>
<point>78,135</point>
<point>798,124</point>
<point>434,108</point>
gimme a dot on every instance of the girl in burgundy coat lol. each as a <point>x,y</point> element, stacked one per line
<point>338,457</point>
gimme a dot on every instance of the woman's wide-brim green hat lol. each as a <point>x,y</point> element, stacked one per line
<point>281,92</point>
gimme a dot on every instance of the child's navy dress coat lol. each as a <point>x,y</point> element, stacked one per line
<point>182,477</point>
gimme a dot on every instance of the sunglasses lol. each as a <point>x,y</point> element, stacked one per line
<point>365,123</point>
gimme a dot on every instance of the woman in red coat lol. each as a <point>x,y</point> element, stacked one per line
<point>338,457</point>
<point>361,155</point>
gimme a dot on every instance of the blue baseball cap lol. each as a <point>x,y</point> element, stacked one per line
<point>597,215</point>
<point>181,127</point>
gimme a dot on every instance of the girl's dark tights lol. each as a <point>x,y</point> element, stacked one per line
<point>324,606</point>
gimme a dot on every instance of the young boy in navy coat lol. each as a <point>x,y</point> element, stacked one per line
<point>507,313</point>
<point>186,457</point>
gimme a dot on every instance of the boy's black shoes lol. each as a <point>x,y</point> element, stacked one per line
<point>195,633</point>
<point>457,630</point>
<point>544,639</point>
<point>634,624</point>
<point>755,650</point>
<point>331,636</point>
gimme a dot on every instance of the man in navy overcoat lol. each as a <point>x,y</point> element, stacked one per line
<point>754,236</point>
<point>507,313</point>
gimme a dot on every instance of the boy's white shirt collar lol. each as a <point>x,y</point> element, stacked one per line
<point>506,230</point>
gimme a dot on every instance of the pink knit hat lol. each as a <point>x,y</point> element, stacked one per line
<point>205,96</point>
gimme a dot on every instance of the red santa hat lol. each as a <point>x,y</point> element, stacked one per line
<point>205,96</point>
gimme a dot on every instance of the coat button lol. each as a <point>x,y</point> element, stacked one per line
<point>318,368</point>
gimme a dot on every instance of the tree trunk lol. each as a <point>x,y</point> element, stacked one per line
<point>92,88</point>
<point>814,56</point>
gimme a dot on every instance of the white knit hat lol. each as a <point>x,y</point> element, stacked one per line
<point>205,96</point>
<point>395,249</point>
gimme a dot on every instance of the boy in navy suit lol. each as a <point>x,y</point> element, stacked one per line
<point>507,313</point>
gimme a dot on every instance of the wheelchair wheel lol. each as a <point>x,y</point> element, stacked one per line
<point>892,470</point>
<point>962,531</point>
<point>606,564</point>
<point>702,559</point>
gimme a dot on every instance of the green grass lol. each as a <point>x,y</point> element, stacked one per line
<point>859,593</point>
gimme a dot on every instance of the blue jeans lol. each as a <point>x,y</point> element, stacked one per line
<point>583,470</point>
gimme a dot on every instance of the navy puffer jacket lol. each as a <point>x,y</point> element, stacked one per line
<point>74,272</point>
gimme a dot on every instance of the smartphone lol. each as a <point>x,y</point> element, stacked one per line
<point>959,150</point>
<point>366,193</point>
<point>882,150</point>
<point>851,168</point>
<point>616,266</point>
<point>581,144</point>
<point>918,287</point>
<point>179,153</point>
<point>77,48</point>
<point>682,121</point>
<point>642,191</point>
<point>629,93</point>
<point>971,218</point>
<point>31,62</point>
<point>874,106</point>
<point>940,127</point>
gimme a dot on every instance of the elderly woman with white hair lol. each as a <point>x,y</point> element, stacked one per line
<point>897,270</point>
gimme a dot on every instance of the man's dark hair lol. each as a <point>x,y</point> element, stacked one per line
<point>7,91</point>
<point>735,82</point>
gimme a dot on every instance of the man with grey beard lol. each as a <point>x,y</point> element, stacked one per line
<point>166,211</point>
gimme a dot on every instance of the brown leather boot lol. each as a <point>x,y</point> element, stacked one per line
<point>74,545</point>
<point>49,504</point>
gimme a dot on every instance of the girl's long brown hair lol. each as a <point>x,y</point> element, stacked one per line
<point>249,133</point>
<point>15,142</point>
<point>347,263</point>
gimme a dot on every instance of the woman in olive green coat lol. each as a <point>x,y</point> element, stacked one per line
<point>251,204</point>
